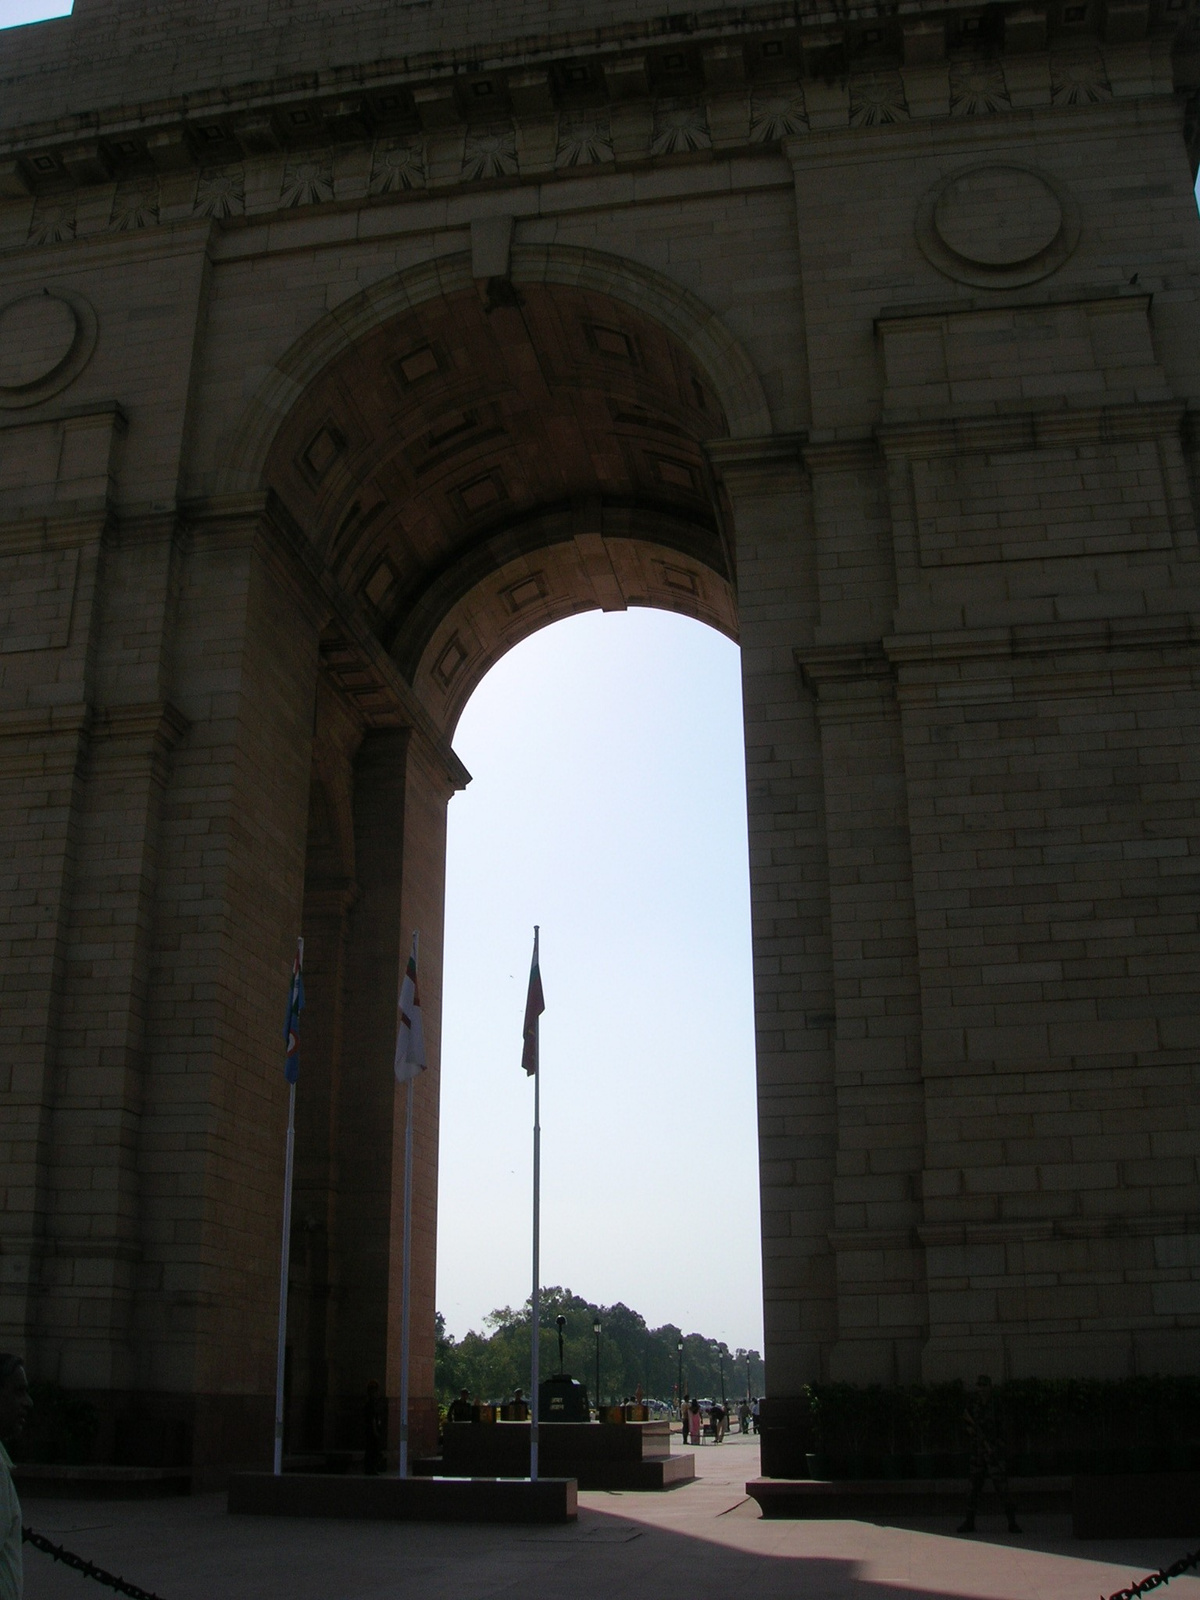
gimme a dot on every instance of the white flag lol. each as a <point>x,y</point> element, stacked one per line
<point>410,1036</point>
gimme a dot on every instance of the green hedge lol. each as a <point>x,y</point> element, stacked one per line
<point>1049,1426</point>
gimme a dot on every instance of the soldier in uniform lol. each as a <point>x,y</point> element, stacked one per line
<point>461,1410</point>
<point>374,1430</point>
<point>987,1454</point>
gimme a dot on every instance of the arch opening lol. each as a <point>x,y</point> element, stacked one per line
<point>466,472</point>
<point>608,803</point>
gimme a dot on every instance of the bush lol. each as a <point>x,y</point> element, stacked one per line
<point>1050,1426</point>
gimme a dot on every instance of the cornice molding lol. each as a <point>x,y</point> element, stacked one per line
<point>736,461</point>
<point>933,1234</point>
<point>1172,631</point>
<point>856,661</point>
<point>44,744</point>
<point>330,898</point>
<point>930,314</point>
<point>855,454</point>
<point>40,722</point>
<point>1032,430</point>
<point>850,683</point>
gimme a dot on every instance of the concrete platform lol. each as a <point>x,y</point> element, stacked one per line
<point>829,1499</point>
<point>654,1474</point>
<point>387,1499</point>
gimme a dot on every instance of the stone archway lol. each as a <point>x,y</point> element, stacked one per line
<point>466,470</point>
<point>966,580</point>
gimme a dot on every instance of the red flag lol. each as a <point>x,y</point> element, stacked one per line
<point>535,1004</point>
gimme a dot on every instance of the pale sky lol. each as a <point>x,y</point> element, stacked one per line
<point>14,11</point>
<point>608,804</point>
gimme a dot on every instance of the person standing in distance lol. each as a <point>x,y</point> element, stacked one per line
<point>16,1407</point>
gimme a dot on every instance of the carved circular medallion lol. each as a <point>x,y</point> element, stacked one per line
<point>46,338</point>
<point>997,226</point>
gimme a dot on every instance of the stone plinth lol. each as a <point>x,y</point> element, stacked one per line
<point>387,1499</point>
<point>831,1499</point>
<point>52,1482</point>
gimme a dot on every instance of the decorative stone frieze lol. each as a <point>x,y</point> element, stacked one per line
<point>747,99</point>
<point>221,192</point>
<point>307,182</point>
<point>398,164</point>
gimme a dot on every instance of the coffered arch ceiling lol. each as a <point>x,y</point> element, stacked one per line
<point>483,464</point>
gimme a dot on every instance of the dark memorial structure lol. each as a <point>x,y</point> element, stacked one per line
<point>562,1399</point>
<point>598,1455</point>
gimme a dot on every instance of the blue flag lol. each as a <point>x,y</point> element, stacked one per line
<point>291,1028</point>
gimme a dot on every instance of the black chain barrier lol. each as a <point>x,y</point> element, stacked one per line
<point>89,1569</point>
<point>1155,1579</point>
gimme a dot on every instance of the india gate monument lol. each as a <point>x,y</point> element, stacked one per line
<point>343,347</point>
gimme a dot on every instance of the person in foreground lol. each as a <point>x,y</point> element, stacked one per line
<point>16,1407</point>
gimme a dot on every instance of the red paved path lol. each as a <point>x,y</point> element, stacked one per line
<point>702,1541</point>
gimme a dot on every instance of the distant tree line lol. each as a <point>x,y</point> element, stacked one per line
<point>491,1364</point>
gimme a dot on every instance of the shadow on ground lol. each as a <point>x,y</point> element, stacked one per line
<point>703,1542</point>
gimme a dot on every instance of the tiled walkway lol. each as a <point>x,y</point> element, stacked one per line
<point>704,1540</point>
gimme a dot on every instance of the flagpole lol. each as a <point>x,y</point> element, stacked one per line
<point>407,1276</point>
<point>537,1225</point>
<point>284,1254</point>
<point>406,1270</point>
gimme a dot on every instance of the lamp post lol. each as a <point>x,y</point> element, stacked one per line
<point>560,1323</point>
<point>721,1365</point>
<point>679,1386</point>
<point>597,1329</point>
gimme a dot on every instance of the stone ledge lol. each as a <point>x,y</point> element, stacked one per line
<point>830,1500</point>
<point>37,1480</point>
<point>1151,1505</point>
<point>312,1494</point>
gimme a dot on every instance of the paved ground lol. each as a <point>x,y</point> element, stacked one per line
<point>700,1542</point>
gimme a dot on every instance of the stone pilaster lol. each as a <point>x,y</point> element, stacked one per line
<point>771,521</point>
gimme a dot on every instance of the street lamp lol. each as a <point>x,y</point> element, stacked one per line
<point>721,1364</point>
<point>679,1386</point>
<point>560,1323</point>
<point>596,1329</point>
